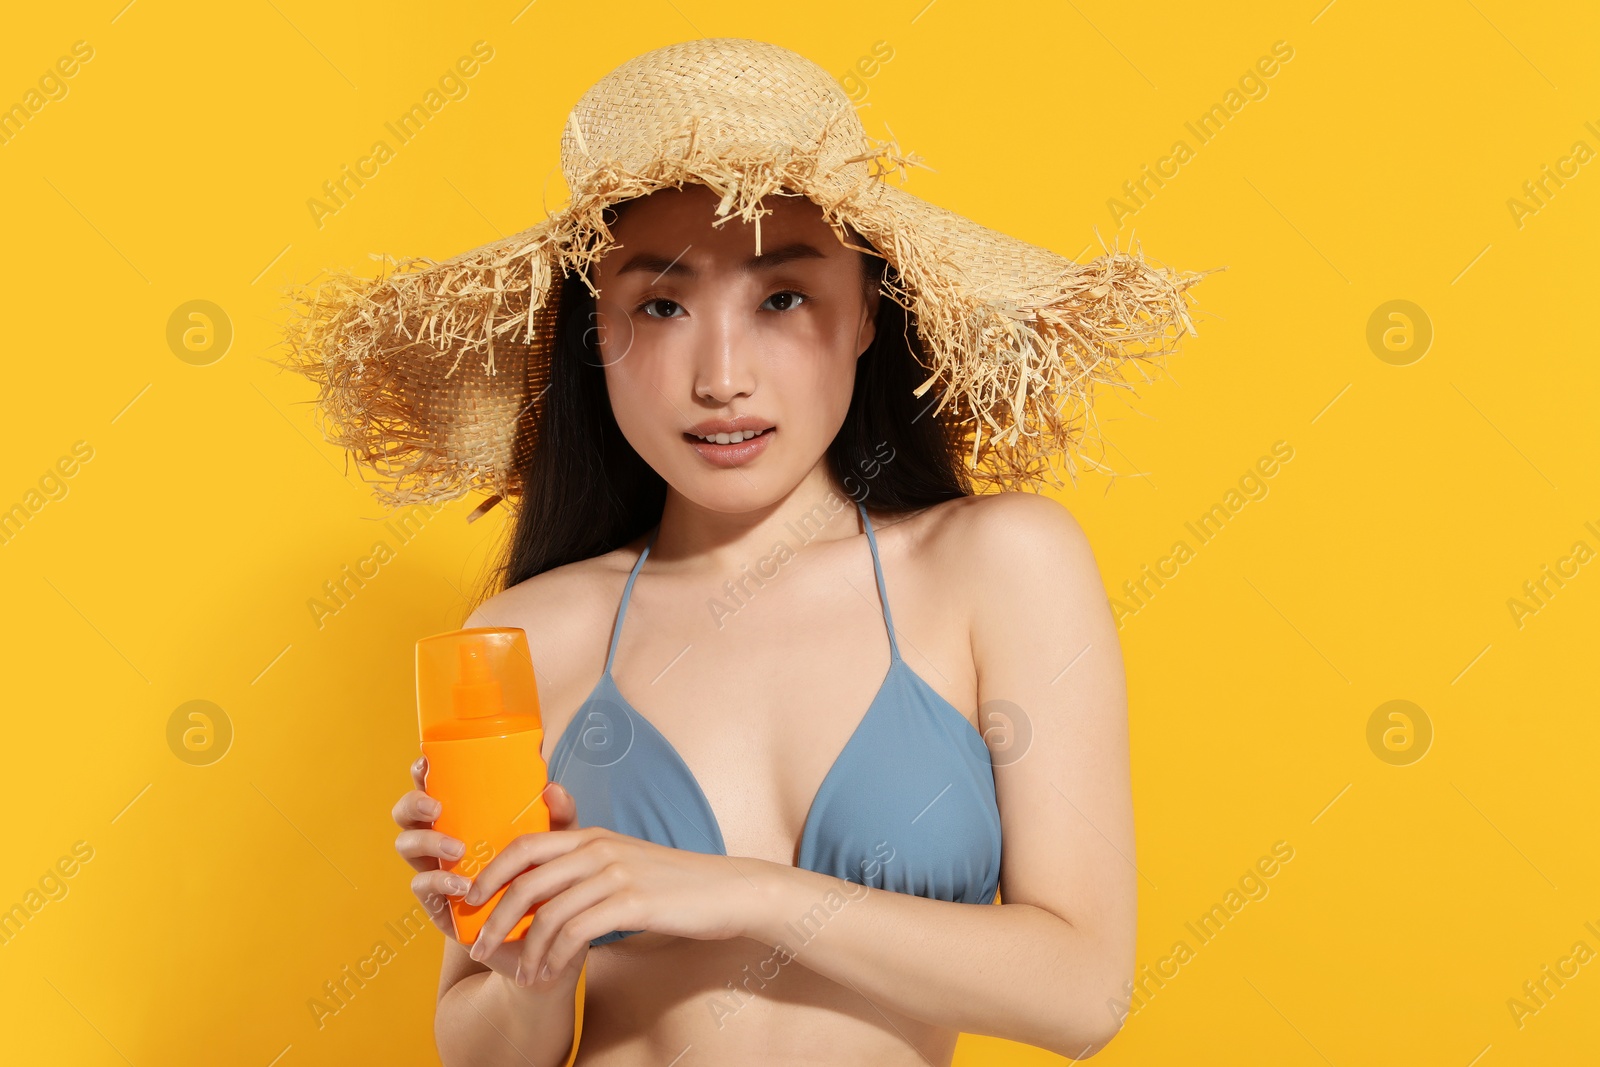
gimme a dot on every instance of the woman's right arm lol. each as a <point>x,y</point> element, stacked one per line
<point>483,1017</point>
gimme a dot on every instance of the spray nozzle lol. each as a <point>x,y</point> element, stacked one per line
<point>477,691</point>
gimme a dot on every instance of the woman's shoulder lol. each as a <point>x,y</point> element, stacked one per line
<point>1006,529</point>
<point>562,609</point>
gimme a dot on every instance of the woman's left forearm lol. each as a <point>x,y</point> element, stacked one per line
<point>1013,971</point>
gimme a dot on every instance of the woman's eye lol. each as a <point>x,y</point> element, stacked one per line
<point>791,298</point>
<point>648,304</point>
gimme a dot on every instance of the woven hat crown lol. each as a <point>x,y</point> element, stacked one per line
<point>738,100</point>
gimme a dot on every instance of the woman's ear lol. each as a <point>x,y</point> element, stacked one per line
<point>868,331</point>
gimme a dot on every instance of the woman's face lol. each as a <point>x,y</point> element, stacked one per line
<point>700,335</point>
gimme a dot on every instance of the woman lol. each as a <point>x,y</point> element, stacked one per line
<point>993,597</point>
<point>766,845</point>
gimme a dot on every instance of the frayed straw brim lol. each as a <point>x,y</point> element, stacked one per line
<point>431,373</point>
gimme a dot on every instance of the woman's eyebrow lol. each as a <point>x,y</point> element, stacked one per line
<point>777,257</point>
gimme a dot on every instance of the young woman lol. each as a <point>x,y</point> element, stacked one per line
<point>836,736</point>
<point>815,710</point>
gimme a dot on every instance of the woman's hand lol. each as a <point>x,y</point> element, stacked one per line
<point>593,880</point>
<point>423,847</point>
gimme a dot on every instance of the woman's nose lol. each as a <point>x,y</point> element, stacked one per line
<point>725,358</point>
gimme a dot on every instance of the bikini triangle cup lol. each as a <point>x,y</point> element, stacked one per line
<point>908,804</point>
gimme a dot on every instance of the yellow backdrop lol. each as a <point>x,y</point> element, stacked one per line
<point>1353,549</point>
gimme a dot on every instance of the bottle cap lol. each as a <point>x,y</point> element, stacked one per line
<point>483,674</point>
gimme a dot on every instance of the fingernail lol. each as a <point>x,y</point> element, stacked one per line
<point>457,884</point>
<point>544,973</point>
<point>454,849</point>
<point>431,807</point>
<point>522,979</point>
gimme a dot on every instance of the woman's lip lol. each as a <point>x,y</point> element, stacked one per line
<point>731,455</point>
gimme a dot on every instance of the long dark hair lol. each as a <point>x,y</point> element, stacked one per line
<point>585,491</point>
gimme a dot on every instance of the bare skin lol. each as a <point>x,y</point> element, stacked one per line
<point>994,598</point>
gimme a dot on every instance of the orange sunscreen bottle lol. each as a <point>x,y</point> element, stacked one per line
<point>478,710</point>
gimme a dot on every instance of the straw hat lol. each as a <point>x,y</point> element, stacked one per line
<point>432,374</point>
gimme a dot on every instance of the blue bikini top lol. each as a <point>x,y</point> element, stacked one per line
<point>909,804</point>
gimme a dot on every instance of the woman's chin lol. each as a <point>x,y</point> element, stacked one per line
<point>731,490</point>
